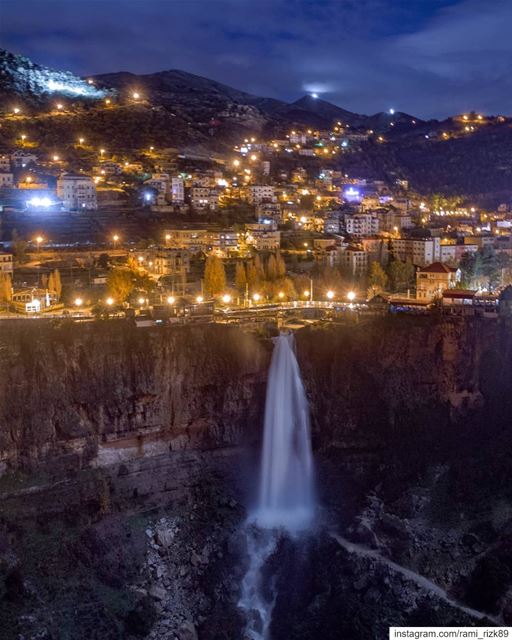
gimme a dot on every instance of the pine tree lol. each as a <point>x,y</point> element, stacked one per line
<point>378,279</point>
<point>214,276</point>
<point>258,265</point>
<point>51,283</point>
<point>240,277</point>
<point>5,287</point>
<point>57,283</point>
<point>271,268</point>
<point>280,265</point>
<point>253,278</point>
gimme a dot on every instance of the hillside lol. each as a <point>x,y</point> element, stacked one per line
<point>177,109</point>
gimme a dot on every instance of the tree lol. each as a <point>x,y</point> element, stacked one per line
<point>5,287</point>
<point>271,267</point>
<point>120,284</point>
<point>57,284</point>
<point>401,273</point>
<point>240,277</point>
<point>50,285</point>
<point>280,265</point>
<point>19,247</point>
<point>378,279</point>
<point>214,276</point>
<point>253,277</point>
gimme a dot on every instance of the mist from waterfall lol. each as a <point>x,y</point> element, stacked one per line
<point>286,501</point>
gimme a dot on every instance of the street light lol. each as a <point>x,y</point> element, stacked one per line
<point>81,140</point>
<point>115,238</point>
<point>167,237</point>
<point>199,299</point>
<point>55,158</point>
<point>78,302</point>
<point>102,151</point>
<point>330,295</point>
<point>256,297</point>
<point>60,106</point>
<point>171,300</point>
<point>351,296</point>
<point>281,295</point>
<point>306,293</point>
<point>226,298</point>
<point>110,301</point>
<point>142,301</point>
<point>135,95</point>
<point>16,110</point>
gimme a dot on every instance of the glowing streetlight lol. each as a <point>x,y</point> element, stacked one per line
<point>60,106</point>
<point>115,239</point>
<point>16,110</point>
<point>39,241</point>
<point>81,140</point>
<point>78,302</point>
<point>226,298</point>
<point>305,293</point>
<point>135,95</point>
<point>102,152</point>
<point>199,299</point>
<point>142,301</point>
<point>110,301</point>
<point>23,137</point>
<point>351,296</point>
<point>171,300</point>
<point>330,295</point>
<point>56,158</point>
<point>254,157</point>
<point>256,297</point>
<point>167,237</point>
<point>280,295</point>
<point>236,163</point>
<point>140,259</point>
<point>107,101</point>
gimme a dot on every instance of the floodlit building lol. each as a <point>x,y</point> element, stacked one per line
<point>362,224</point>
<point>6,263</point>
<point>77,192</point>
<point>177,190</point>
<point>421,251</point>
<point>5,163</point>
<point>6,180</point>
<point>260,193</point>
<point>354,260</point>
<point>431,281</point>
<point>263,237</point>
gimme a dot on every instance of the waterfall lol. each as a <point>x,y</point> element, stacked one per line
<point>286,476</point>
<point>286,503</point>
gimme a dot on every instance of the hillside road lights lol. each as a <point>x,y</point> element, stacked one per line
<point>351,296</point>
<point>330,295</point>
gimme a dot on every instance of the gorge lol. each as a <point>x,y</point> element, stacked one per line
<point>128,457</point>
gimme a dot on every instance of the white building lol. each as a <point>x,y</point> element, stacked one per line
<point>202,198</point>
<point>263,237</point>
<point>260,193</point>
<point>421,251</point>
<point>355,261</point>
<point>6,263</point>
<point>5,163</point>
<point>160,182</point>
<point>177,190</point>
<point>6,180</point>
<point>362,224</point>
<point>268,211</point>
<point>77,192</point>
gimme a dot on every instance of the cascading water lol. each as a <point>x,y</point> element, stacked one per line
<point>286,503</point>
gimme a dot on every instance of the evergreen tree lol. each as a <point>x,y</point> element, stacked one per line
<point>19,248</point>
<point>5,287</point>
<point>378,279</point>
<point>271,268</point>
<point>57,283</point>
<point>280,265</point>
<point>240,277</point>
<point>214,276</point>
<point>51,283</point>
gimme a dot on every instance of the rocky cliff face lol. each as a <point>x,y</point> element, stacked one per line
<point>134,442</point>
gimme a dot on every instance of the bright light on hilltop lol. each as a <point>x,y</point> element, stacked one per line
<point>314,95</point>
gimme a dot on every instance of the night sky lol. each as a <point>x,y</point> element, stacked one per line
<point>426,57</point>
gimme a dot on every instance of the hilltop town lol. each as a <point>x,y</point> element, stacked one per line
<point>261,211</point>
